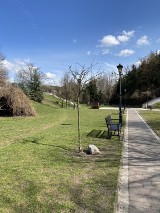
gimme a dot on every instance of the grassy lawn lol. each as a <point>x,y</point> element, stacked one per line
<point>41,170</point>
<point>153,119</point>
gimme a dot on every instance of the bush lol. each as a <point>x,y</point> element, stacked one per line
<point>14,102</point>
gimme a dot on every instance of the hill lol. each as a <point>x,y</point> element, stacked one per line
<point>41,170</point>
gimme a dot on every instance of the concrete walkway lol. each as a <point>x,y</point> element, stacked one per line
<point>140,175</point>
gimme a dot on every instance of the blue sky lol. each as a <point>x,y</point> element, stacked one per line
<point>54,34</point>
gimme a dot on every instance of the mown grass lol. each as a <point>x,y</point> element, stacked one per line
<point>153,119</point>
<point>41,170</point>
<point>156,106</point>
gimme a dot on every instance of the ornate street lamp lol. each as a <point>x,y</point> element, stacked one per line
<point>120,67</point>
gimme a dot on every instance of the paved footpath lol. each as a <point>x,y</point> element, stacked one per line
<point>142,167</point>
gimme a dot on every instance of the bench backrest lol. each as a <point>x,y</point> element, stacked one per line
<point>108,120</point>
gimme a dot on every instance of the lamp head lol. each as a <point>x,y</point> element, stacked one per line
<point>120,67</point>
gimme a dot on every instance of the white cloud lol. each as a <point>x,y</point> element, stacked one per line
<point>110,65</point>
<point>126,52</point>
<point>8,65</point>
<point>143,41</point>
<point>50,75</point>
<point>138,63</point>
<point>125,36</point>
<point>51,79</point>
<point>16,65</point>
<point>129,33</point>
<point>109,40</point>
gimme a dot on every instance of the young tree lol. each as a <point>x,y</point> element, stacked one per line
<point>29,79</point>
<point>81,77</point>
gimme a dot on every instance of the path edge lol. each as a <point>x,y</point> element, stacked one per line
<point>122,202</point>
<point>150,129</point>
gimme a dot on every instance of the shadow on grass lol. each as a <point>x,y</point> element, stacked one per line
<point>104,134</point>
<point>36,141</point>
<point>98,134</point>
<point>92,191</point>
<point>66,124</point>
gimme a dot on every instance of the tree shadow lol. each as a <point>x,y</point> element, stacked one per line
<point>66,124</point>
<point>37,141</point>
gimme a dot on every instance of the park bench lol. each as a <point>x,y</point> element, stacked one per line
<point>114,126</point>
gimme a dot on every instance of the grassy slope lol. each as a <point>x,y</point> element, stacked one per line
<point>156,106</point>
<point>153,119</point>
<point>41,171</point>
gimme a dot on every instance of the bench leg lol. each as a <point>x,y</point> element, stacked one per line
<point>109,133</point>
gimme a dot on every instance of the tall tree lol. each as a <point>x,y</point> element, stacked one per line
<point>106,84</point>
<point>68,88</point>
<point>29,78</point>
<point>93,91</point>
<point>3,70</point>
<point>142,82</point>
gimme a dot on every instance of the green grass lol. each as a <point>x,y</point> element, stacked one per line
<point>41,170</point>
<point>153,119</point>
<point>52,101</point>
<point>156,106</point>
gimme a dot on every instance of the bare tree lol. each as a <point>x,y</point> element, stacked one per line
<point>81,77</point>
<point>65,91</point>
<point>105,84</point>
<point>68,88</point>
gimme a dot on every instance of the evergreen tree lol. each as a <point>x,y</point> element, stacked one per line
<point>92,91</point>
<point>34,86</point>
<point>3,70</point>
<point>29,80</point>
<point>141,82</point>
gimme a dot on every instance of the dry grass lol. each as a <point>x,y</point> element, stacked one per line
<point>15,102</point>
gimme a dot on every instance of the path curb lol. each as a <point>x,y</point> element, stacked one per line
<point>122,203</point>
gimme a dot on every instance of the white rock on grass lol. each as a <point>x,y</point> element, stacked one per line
<point>92,149</point>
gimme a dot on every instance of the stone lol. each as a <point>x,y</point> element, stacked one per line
<point>93,150</point>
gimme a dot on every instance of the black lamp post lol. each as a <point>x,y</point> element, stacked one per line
<point>120,67</point>
<point>125,99</point>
